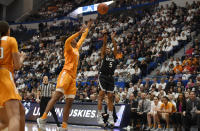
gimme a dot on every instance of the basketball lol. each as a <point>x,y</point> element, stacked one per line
<point>102,9</point>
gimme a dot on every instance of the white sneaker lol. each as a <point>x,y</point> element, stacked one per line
<point>128,128</point>
<point>111,121</point>
<point>100,120</point>
<point>62,129</point>
<point>41,123</point>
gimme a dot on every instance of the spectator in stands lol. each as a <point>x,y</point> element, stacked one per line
<point>155,106</point>
<point>165,68</point>
<point>170,84</point>
<point>177,68</point>
<point>164,112</point>
<point>190,115</point>
<point>144,106</point>
<point>181,107</point>
<point>133,101</point>
<point>147,83</point>
<point>163,83</point>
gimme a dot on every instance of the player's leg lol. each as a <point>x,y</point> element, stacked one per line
<point>63,81</point>
<point>22,117</point>
<point>67,108</point>
<point>10,99</point>
<point>167,119</point>
<point>3,119</point>
<point>70,94</point>
<point>102,89</point>
<point>42,120</point>
<point>110,108</point>
<point>100,100</point>
<point>13,112</point>
<point>149,116</point>
<point>55,116</point>
<point>110,92</point>
<point>57,95</point>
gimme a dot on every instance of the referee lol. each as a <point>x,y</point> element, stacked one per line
<point>45,91</point>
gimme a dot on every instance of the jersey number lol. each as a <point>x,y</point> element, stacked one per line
<point>1,53</point>
<point>110,64</point>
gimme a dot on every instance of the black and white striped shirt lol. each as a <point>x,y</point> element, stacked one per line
<point>46,89</point>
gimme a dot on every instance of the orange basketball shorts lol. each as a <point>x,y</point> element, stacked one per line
<point>8,90</point>
<point>66,84</point>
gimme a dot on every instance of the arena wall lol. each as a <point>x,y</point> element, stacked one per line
<point>178,2</point>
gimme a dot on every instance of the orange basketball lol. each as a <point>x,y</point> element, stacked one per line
<point>102,9</point>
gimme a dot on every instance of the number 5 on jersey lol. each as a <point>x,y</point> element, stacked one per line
<point>110,64</point>
<point>1,53</point>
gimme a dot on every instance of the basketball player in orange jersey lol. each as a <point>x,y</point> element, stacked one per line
<point>66,82</point>
<point>11,110</point>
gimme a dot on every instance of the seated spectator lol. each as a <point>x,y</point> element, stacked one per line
<point>143,108</point>
<point>170,84</point>
<point>186,94</point>
<point>133,101</point>
<point>164,112</point>
<point>181,107</point>
<point>186,75</point>
<point>191,115</point>
<point>165,68</point>
<point>190,84</point>
<point>162,83</point>
<point>155,106</point>
<point>177,68</point>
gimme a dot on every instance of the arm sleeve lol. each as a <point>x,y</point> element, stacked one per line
<point>69,40</point>
<point>84,35</point>
<point>13,45</point>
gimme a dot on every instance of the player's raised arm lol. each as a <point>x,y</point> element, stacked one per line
<point>18,57</point>
<point>84,35</point>
<point>103,50</point>
<point>69,40</point>
<point>114,43</point>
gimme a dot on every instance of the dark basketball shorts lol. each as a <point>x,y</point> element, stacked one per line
<point>106,83</point>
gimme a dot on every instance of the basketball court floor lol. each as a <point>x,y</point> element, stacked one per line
<point>52,127</point>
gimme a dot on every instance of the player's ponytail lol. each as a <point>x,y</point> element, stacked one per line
<point>4,27</point>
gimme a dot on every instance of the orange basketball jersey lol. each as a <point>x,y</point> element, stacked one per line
<point>8,89</point>
<point>72,54</point>
<point>7,47</point>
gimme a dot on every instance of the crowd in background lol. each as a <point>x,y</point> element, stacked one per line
<point>61,8</point>
<point>55,9</point>
<point>143,39</point>
<point>138,46</point>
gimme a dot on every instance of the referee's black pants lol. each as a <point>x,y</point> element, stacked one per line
<point>43,104</point>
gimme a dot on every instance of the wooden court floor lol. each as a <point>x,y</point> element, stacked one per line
<point>52,127</point>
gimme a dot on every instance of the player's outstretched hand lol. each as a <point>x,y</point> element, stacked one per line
<point>89,24</point>
<point>83,29</point>
<point>22,55</point>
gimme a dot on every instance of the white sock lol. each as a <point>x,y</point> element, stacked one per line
<point>110,113</point>
<point>100,113</point>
